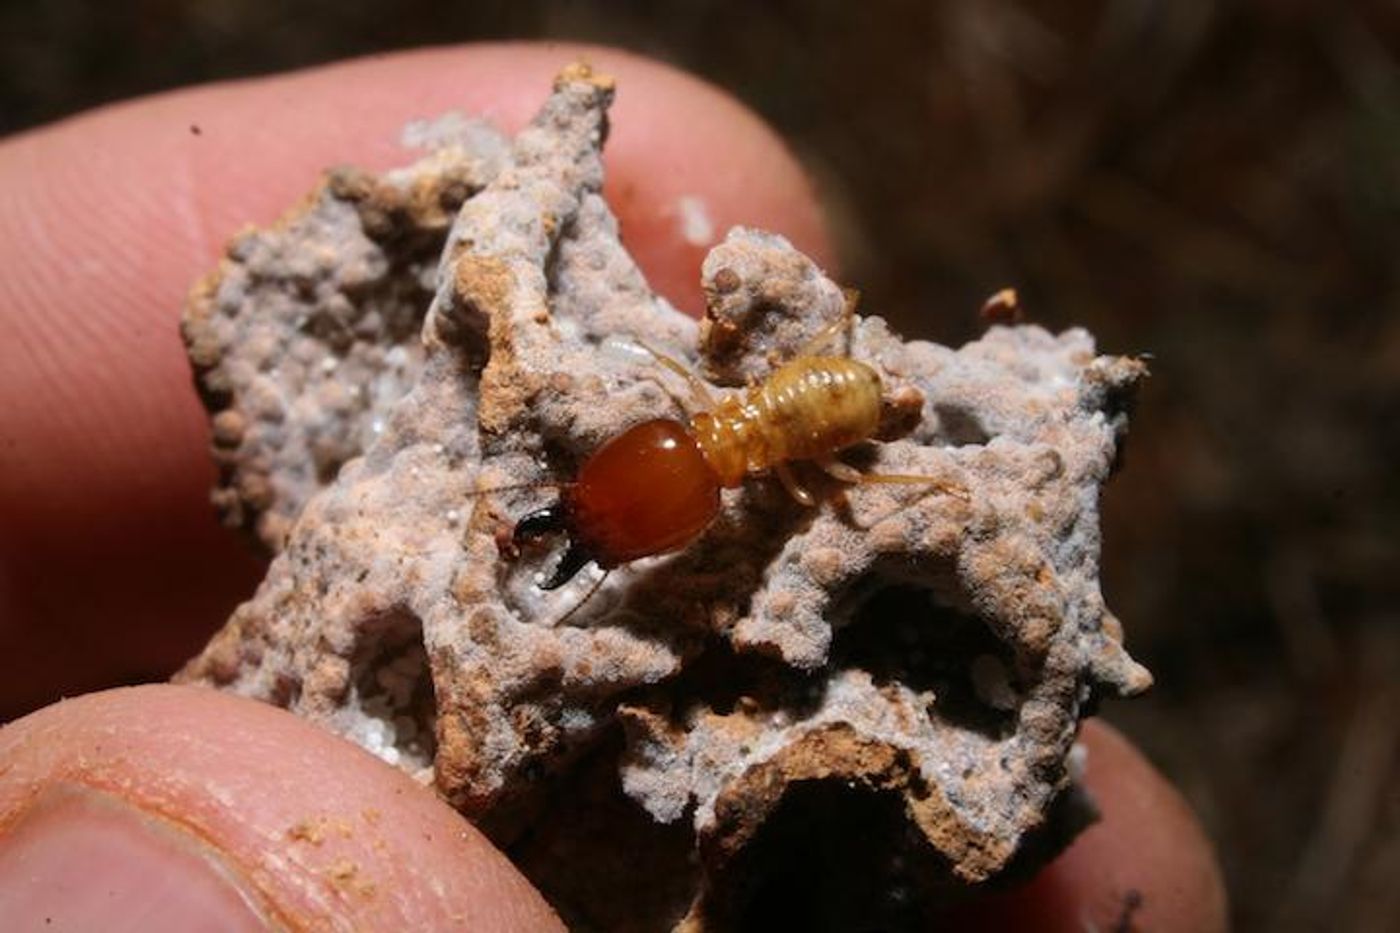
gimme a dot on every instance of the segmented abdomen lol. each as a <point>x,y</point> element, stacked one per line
<point>815,406</point>
<point>809,408</point>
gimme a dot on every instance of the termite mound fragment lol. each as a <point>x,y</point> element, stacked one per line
<point>872,701</point>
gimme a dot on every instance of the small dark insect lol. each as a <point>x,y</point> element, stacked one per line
<point>655,487</point>
<point>1003,308</point>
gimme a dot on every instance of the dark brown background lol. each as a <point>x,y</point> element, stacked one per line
<point>1215,183</point>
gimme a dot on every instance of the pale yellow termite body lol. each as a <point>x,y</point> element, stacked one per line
<point>809,409</point>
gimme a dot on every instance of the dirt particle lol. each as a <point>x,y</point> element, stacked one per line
<point>726,280</point>
<point>1132,904</point>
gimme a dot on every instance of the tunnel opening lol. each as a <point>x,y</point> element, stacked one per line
<point>392,691</point>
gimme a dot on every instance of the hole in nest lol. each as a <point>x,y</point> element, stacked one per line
<point>562,453</point>
<point>392,690</point>
<point>389,307</point>
<point>836,857</point>
<point>725,680</point>
<point>960,425</point>
<point>916,636</point>
<point>560,258</point>
<point>329,452</point>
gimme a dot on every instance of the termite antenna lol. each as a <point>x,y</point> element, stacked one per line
<point>508,487</point>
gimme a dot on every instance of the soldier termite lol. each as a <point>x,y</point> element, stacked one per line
<point>656,486</point>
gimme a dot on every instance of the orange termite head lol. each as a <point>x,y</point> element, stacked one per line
<point>647,491</point>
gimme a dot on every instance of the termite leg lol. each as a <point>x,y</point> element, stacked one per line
<point>794,488</point>
<point>849,474</point>
<point>830,332</point>
<point>942,486</point>
<point>699,391</point>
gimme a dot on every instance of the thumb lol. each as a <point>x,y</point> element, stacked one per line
<point>176,808</point>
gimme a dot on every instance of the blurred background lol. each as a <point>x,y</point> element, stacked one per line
<point>1215,183</point>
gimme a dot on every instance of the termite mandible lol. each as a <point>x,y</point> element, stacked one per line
<point>656,486</point>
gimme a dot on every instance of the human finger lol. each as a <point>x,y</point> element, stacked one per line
<point>180,808</point>
<point>1146,865</point>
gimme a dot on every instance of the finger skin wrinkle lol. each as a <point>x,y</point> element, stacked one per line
<point>184,203</point>
<point>88,315</point>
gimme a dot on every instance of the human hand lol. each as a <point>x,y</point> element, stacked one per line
<point>113,567</point>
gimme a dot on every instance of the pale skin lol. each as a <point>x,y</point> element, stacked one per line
<point>113,567</point>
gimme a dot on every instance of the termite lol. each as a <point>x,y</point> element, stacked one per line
<point>655,487</point>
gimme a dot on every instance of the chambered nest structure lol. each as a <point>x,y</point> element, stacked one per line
<point>866,707</point>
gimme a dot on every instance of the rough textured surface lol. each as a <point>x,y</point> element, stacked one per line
<point>307,334</point>
<point>932,653</point>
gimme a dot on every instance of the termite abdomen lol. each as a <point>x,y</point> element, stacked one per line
<point>809,409</point>
<point>813,407</point>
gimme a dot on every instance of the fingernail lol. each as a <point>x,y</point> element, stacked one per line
<point>81,860</point>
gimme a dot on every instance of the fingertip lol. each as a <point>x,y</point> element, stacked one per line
<point>305,829</point>
<point>1148,841</point>
<point>1145,865</point>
